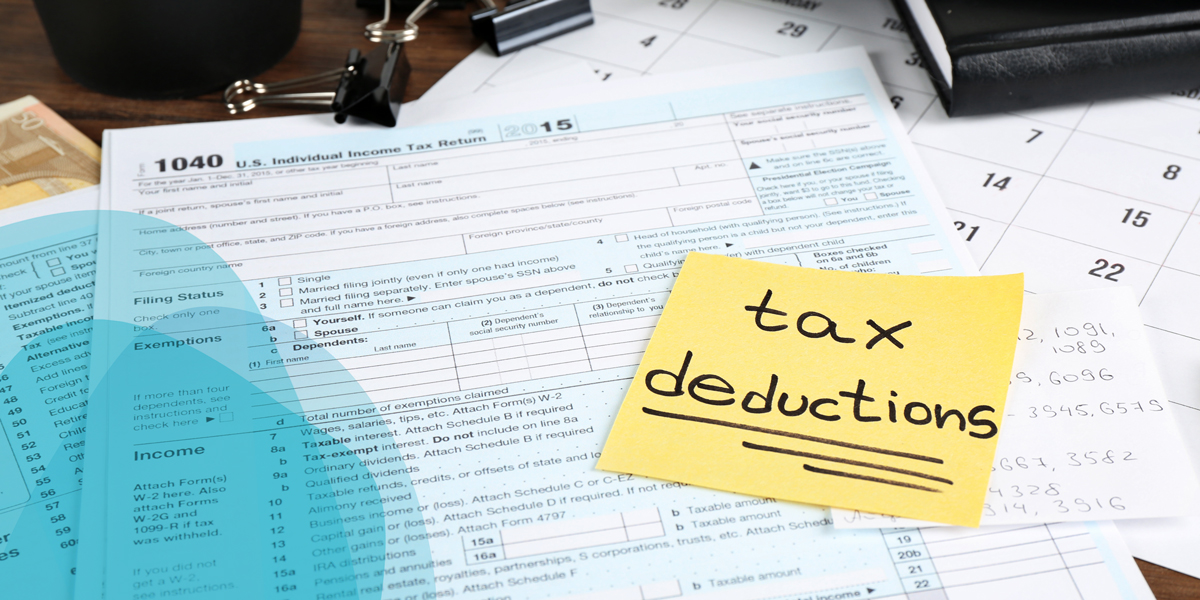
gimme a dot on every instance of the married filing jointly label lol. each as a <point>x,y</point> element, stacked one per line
<point>835,388</point>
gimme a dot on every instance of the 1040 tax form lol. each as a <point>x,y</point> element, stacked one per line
<point>382,363</point>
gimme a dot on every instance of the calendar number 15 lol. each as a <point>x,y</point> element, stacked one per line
<point>1137,220</point>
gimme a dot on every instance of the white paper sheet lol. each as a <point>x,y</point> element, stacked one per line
<point>1087,433</point>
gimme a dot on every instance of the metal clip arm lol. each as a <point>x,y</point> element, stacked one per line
<point>376,33</point>
<point>366,85</point>
<point>263,93</point>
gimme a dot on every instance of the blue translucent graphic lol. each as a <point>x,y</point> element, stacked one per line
<point>209,482</point>
<point>40,529</point>
<point>47,280</point>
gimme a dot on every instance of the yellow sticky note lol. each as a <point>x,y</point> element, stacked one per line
<point>882,393</point>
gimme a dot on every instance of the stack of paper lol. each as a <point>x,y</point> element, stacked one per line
<point>1053,193</point>
<point>289,359</point>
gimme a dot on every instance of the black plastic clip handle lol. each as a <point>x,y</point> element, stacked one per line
<point>527,22</point>
<point>371,84</point>
<point>366,87</point>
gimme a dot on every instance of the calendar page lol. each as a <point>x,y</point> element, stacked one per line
<point>1084,196</point>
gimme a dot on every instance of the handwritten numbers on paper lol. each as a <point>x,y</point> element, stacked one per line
<point>1089,329</point>
<point>1036,134</point>
<point>1093,419</point>
<point>1057,378</point>
<point>1093,347</point>
<point>1085,505</point>
<point>1074,346</point>
<point>1020,491</point>
<point>1093,457</point>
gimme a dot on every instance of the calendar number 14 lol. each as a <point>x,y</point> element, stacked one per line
<point>1000,184</point>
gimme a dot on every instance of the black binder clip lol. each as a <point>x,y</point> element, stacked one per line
<point>367,85</point>
<point>527,22</point>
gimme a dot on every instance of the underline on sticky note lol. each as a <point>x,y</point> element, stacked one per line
<point>812,469</point>
<point>845,461</point>
<point>798,436</point>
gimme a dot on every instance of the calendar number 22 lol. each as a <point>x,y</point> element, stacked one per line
<point>1116,269</point>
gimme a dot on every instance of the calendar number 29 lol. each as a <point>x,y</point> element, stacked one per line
<point>791,29</point>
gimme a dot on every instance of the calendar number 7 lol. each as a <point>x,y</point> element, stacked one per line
<point>1036,133</point>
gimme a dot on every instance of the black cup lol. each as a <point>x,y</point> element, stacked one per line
<point>167,48</point>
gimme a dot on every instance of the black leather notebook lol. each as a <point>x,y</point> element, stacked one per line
<point>991,56</point>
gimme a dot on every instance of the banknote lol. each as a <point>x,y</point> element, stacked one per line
<point>41,154</point>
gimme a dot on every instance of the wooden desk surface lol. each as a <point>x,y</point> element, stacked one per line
<point>329,29</point>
